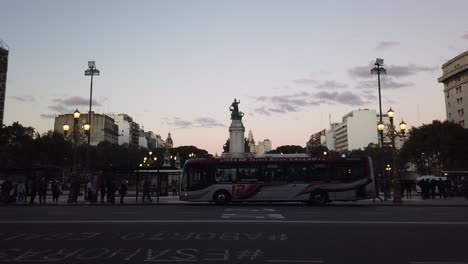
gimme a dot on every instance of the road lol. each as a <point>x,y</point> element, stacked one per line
<point>234,234</point>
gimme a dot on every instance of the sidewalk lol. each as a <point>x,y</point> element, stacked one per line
<point>174,200</point>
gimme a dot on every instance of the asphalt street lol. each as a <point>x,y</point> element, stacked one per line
<point>234,234</point>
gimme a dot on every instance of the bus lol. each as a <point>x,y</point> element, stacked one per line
<point>302,179</point>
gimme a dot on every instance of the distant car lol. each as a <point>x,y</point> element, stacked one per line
<point>430,177</point>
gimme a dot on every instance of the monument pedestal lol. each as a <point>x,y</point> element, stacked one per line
<point>236,141</point>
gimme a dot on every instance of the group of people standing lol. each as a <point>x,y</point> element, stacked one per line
<point>430,188</point>
<point>19,191</point>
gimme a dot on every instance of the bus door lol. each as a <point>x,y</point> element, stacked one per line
<point>250,185</point>
<point>276,183</point>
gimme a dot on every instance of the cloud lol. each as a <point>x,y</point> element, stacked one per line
<point>347,98</point>
<point>24,98</point>
<point>206,122</point>
<point>75,101</point>
<point>47,116</point>
<point>392,70</point>
<point>385,83</point>
<point>464,36</point>
<point>297,102</point>
<point>331,85</point>
<point>383,45</point>
<point>64,105</point>
<point>60,108</point>
<point>305,81</point>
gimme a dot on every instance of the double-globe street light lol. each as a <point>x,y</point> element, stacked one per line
<point>392,134</point>
<point>77,133</point>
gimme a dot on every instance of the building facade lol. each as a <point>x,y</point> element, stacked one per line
<point>357,130</point>
<point>128,129</point>
<point>455,80</point>
<point>3,77</point>
<point>103,127</point>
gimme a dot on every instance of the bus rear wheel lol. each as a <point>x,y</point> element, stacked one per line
<point>318,197</point>
<point>221,197</point>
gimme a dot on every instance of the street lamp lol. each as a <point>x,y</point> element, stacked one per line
<point>76,134</point>
<point>379,69</point>
<point>91,71</point>
<point>393,133</point>
<point>149,161</point>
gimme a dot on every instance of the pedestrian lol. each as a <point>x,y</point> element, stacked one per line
<point>409,189</point>
<point>465,186</point>
<point>42,190</point>
<point>21,191</point>
<point>377,189</point>
<point>7,187</point>
<point>33,190</point>
<point>55,187</point>
<point>146,190</point>
<point>441,187</point>
<point>123,191</point>
<point>102,189</point>
<point>433,186</point>
<point>174,187</point>
<point>89,191</point>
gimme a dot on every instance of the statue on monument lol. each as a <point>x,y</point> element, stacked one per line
<point>236,114</point>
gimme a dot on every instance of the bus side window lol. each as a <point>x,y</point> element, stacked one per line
<point>319,172</point>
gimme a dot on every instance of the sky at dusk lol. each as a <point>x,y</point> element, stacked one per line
<point>176,66</point>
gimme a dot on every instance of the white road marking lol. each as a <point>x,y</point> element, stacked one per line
<point>123,212</point>
<point>293,261</point>
<point>437,262</point>
<point>201,221</point>
<point>308,212</point>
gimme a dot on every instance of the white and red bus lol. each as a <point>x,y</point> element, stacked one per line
<point>301,179</point>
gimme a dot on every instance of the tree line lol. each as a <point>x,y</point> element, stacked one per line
<point>22,148</point>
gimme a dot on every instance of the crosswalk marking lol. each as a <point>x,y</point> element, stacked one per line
<point>245,213</point>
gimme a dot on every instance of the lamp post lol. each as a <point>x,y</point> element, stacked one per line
<point>91,71</point>
<point>379,69</point>
<point>393,133</point>
<point>75,135</point>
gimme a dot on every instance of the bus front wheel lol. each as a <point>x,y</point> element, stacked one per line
<point>221,197</point>
<point>318,197</point>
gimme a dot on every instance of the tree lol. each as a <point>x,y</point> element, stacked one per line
<point>288,149</point>
<point>316,151</point>
<point>437,146</point>
<point>17,148</point>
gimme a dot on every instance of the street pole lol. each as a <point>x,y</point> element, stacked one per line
<point>395,175</point>
<point>91,71</point>
<point>378,69</point>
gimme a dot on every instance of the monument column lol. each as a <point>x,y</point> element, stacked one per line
<point>236,134</point>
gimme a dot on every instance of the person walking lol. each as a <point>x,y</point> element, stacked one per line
<point>89,191</point>
<point>33,190</point>
<point>7,186</point>
<point>123,191</point>
<point>432,185</point>
<point>102,189</point>
<point>441,187</point>
<point>146,190</point>
<point>42,191</point>
<point>55,188</point>
<point>21,191</point>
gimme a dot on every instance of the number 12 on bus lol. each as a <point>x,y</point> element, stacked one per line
<point>301,179</point>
